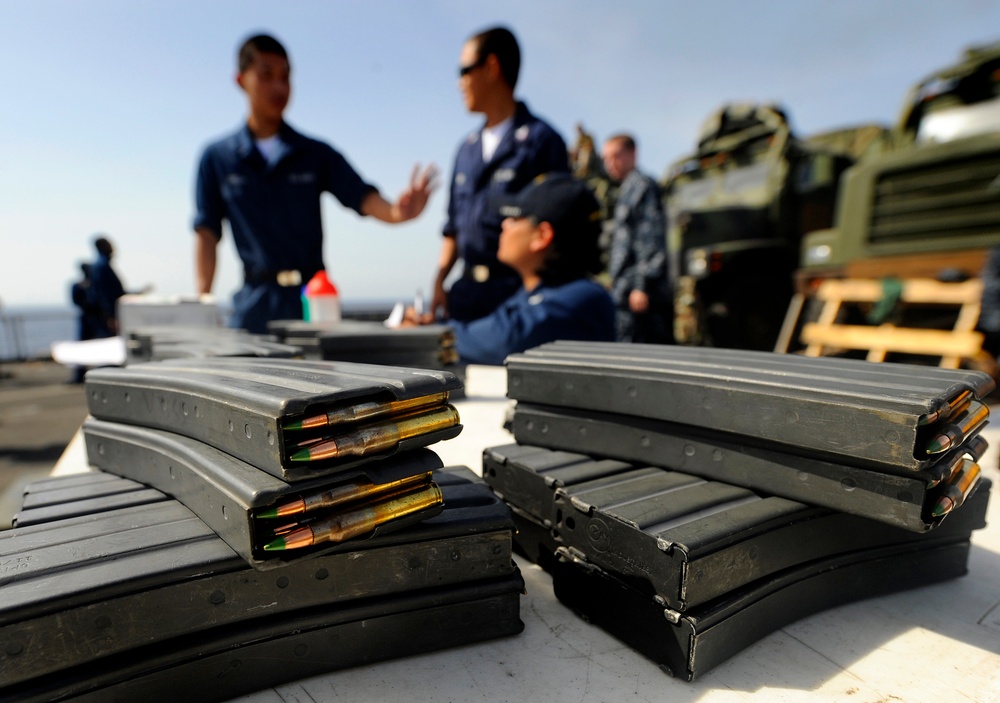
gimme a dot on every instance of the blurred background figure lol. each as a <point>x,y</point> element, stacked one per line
<point>105,290</point>
<point>95,296</point>
<point>80,295</point>
<point>637,262</point>
<point>86,314</point>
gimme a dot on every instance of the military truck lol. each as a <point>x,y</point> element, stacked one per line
<point>928,204</point>
<point>737,210</point>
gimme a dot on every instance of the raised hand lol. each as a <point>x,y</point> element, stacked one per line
<point>414,199</point>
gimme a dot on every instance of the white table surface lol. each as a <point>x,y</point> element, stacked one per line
<point>936,644</point>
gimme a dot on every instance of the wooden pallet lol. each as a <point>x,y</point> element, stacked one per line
<point>826,335</point>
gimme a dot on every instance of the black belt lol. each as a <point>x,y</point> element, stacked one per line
<point>286,278</point>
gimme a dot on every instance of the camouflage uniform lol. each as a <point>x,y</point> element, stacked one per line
<point>638,261</point>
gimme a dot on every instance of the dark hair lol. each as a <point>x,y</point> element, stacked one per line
<point>258,44</point>
<point>572,255</point>
<point>575,251</point>
<point>627,140</point>
<point>103,246</point>
<point>500,42</point>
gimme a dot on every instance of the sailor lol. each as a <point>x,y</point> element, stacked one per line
<point>511,149</point>
<point>266,179</point>
<point>550,239</point>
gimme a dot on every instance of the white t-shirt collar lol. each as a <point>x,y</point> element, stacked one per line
<point>492,136</point>
<point>270,147</point>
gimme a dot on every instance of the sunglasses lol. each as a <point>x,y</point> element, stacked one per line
<point>466,70</point>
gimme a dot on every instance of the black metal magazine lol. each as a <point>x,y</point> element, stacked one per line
<point>243,406</point>
<point>95,587</point>
<point>527,475</point>
<point>225,663</point>
<point>679,538</point>
<point>705,637</point>
<point>228,494</point>
<point>422,359</point>
<point>906,501</point>
<point>424,346</point>
<point>65,502</point>
<point>883,415</point>
<point>354,335</point>
<point>687,541</point>
<point>533,540</point>
<point>156,343</point>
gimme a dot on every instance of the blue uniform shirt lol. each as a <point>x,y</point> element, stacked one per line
<point>528,149</point>
<point>274,209</point>
<point>579,310</point>
<point>105,290</point>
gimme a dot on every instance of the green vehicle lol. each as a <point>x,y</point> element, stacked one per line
<point>737,211</point>
<point>927,205</point>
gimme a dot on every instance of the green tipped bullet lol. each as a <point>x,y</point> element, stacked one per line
<point>939,444</point>
<point>959,486</point>
<point>365,411</point>
<point>353,491</point>
<point>304,455</point>
<point>958,428</point>
<point>376,437</point>
<point>276,545</point>
<point>359,520</point>
<point>942,471</point>
<point>954,406</point>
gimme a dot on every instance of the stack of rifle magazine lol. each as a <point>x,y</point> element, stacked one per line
<point>156,343</point>
<point>278,456</point>
<point>370,342</point>
<point>890,442</point>
<point>248,511</point>
<point>117,592</point>
<point>691,500</point>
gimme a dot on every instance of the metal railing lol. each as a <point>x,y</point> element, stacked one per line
<point>29,335</point>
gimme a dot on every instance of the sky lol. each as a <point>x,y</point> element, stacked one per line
<point>108,104</point>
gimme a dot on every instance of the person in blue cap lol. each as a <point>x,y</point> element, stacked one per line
<point>549,237</point>
<point>266,180</point>
<point>511,148</point>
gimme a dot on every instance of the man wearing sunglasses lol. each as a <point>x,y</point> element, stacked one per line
<point>508,152</point>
